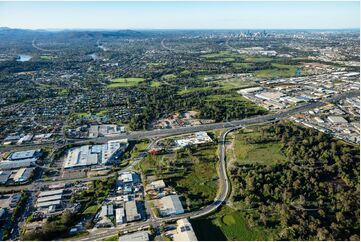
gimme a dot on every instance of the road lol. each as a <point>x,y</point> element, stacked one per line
<point>138,135</point>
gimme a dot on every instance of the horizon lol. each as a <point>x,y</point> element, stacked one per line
<point>180,15</point>
<point>185,29</point>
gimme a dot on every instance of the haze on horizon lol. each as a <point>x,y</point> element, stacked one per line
<point>180,15</point>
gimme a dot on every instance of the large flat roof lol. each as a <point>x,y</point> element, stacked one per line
<point>20,155</point>
<point>51,193</point>
<point>49,198</point>
<point>48,204</point>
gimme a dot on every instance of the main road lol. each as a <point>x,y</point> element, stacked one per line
<point>138,135</point>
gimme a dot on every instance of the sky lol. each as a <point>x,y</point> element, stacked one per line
<point>180,15</point>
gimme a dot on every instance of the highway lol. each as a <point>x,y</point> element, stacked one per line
<point>138,135</point>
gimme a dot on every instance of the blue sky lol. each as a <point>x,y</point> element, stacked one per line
<point>180,15</point>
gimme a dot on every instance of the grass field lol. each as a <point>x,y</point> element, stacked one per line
<point>267,153</point>
<point>47,57</point>
<point>125,82</point>
<point>156,64</point>
<point>192,172</point>
<point>222,60</point>
<point>102,112</point>
<point>228,224</point>
<point>222,54</point>
<point>80,115</point>
<point>139,147</point>
<point>279,71</point>
<point>92,210</point>
<point>169,76</point>
<point>235,83</point>
<point>112,238</point>
<point>155,84</point>
<point>194,89</point>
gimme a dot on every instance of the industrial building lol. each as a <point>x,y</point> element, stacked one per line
<point>170,205</point>
<point>137,236</point>
<point>185,231</point>
<point>104,130</point>
<point>21,155</point>
<point>4,177</point>
<point>194,139</point>
<point>269,95</point>
<point>16,164</point>
<point>119,216</point>
<point>23,174</point>
<point>337,120</point>
<point>88,155</point>
<point>131,211</point>
<point>50,201</point>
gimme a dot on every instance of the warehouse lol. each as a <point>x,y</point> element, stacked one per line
<point>4,177</point>
<point>137,236</point>
<point>170,205</point>
<point>337,120</point>
<point>49,198</point>
<point>28,154</point>
<point>51,193</point>
<point>185,231</point>
<point>88,155</point>
<point>16,164</point>
<point>119,216</point>
<point>55,203</point>
<point>131,210</point>
<point>23,174</point>
<point>269,95</point>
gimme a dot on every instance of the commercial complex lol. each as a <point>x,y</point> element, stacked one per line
<point>88,155</point>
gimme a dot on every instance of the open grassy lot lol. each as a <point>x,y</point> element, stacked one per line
<point>228,224</point>
<point>194,89</point>
<point>222,54</point>
<point>156,64</point>
<point>280,70</point>
<point>112,238</point>
<point>47,57</point>
<point>235,83</point>
<point>139,147</point>
<point>92,210</point>
<point>245,151</point>
<point>191,171</point>
<point>222,60</point>
<point>125,82</point>
<point>169,76</point>
<point>155,84</point>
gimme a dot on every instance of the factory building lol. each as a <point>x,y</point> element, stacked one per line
<point>185,231</point>
<point>4,177</point>
<point>21,155</point>
<point>137,236</point>
<point>23,174</point>
<point>119,216</point>
<point>131,211</point>
<point>88,155</point>
<point>170,205</point>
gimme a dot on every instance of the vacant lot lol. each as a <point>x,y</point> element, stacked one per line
<point>125,82</point>
<point>191,171</point>
<point>228,224</point>
<point>244,150</point>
